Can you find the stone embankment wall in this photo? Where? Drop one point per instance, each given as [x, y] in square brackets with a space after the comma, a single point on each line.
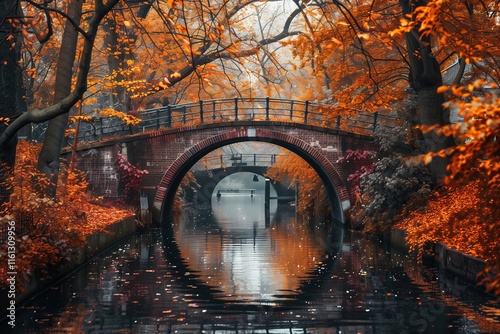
[463, 266]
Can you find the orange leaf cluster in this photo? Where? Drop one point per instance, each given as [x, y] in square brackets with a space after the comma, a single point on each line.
[127, 118]
[290, 168]
[360, 60]
[49, 231]
[461, 218]
[477, 154]
[475, 162]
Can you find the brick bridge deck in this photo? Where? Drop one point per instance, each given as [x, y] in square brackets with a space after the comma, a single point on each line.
[169, 148]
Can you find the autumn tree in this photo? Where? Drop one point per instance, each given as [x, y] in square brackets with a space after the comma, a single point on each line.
[48, 161]
[37, 115]
[193, 49]
[120, 36]
[443, 56]
[380, 55]
[50, 232]
[199, 43]
[8, 108]
[471, 221]
[190, 37]
[470, 195]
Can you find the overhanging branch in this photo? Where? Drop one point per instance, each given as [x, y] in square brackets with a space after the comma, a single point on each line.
[41, 115]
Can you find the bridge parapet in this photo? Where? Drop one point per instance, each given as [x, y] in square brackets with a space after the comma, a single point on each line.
[237, 110]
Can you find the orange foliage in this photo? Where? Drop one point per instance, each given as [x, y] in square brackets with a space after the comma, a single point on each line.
[359, 47]
[290, 168]
[475, 160]
[359, 61]
[434, 223]
[127, 118]
[188, 181]
[49, 231]
[478, 134]
[457, 217]
[468, 28]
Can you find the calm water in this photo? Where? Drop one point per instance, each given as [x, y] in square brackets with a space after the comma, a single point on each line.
[231, 270]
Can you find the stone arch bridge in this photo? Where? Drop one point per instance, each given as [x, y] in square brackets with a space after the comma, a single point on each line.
[170, 140]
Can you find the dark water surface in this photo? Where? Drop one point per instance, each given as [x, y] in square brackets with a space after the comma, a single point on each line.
[231, 270]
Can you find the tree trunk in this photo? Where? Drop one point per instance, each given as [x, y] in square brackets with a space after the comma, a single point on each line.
[49, 158]
[8, 106]
[425, 77]
[431, 113]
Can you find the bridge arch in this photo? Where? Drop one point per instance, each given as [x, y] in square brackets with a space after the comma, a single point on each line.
[171, 179]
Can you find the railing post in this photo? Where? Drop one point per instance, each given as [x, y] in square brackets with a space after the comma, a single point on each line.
[101, 129]
[201, 111]
[213, 110]
[236, 109]
[375, 117]
[184, 115]
[255, 159]
[267, 108]
[338, 122]
[157, 119]
[291, 109]
[169, 116]
[306, 111]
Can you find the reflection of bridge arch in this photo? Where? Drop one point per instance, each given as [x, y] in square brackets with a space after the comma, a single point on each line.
[165, 194]
[310, 283]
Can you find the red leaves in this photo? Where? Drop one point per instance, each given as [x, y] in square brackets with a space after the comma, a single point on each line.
[131, 177]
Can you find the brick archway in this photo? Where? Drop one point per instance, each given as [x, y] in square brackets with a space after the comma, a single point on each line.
[165, 194]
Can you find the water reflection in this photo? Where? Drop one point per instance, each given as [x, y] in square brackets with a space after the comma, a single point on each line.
[233, 248]
[242, 212]
[233, 277]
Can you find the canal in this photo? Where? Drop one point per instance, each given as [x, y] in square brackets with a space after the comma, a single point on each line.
[225, 268]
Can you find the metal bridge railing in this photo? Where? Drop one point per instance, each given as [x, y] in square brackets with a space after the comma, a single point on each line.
[235, 110]
[237, 159]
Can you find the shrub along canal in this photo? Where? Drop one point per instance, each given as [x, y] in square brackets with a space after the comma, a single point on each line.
[229, 270]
